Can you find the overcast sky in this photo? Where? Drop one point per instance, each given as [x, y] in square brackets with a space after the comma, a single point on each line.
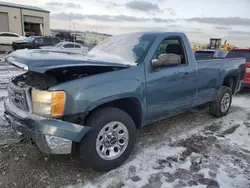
[200, 19]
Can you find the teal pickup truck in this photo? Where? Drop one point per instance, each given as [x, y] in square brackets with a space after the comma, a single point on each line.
[94, 104]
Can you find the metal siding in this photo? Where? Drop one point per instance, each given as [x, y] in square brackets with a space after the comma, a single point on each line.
[33, 19]
[19, 6]
[4, 22]
[22, 24]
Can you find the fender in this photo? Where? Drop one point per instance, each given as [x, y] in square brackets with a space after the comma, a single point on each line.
[97, 95]
[224, 75]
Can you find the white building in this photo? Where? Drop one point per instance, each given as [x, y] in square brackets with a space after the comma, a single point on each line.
[24, 20]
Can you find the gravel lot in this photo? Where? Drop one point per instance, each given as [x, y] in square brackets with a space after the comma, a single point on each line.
[190, 149]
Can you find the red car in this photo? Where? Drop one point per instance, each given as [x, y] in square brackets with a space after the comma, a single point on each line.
[242, 53]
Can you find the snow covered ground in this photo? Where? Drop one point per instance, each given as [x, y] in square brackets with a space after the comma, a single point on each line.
[192, 149]
[215, 154]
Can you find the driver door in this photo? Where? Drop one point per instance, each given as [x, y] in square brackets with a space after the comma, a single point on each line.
[170, 90]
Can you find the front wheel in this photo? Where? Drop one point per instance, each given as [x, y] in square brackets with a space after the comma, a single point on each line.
[222, 104]
[110, 141]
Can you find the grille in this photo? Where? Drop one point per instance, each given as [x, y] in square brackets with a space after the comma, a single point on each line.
[18, 97]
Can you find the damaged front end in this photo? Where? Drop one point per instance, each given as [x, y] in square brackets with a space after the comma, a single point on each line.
[51, 135]
[37, 112]
[37, 116]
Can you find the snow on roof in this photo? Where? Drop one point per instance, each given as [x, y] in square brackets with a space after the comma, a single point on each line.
[13, 5]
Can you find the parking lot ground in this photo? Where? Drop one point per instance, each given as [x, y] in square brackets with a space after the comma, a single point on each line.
[190, 149]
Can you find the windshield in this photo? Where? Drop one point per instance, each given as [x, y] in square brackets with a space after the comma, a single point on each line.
[204, 54]
[58, 45]
[233, 54]
[29, 39]
[125, 49]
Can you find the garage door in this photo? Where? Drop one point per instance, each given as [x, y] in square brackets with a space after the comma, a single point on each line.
[4, 22]
[33, 19]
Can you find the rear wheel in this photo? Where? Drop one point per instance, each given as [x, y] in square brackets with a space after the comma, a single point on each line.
[222, 104]
[110, 141]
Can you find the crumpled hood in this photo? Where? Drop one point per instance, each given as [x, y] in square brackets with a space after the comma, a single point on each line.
[42, 60]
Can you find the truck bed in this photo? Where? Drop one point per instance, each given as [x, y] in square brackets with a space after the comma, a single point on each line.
[219, 59]
[211, 69]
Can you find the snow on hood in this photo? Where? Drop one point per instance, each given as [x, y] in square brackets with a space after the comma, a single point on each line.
[102, 56]
[40, 60]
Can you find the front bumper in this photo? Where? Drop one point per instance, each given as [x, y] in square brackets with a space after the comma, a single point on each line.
[50, 135]
[15, 46]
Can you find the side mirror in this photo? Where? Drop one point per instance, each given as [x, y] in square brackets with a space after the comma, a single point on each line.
[166, 60]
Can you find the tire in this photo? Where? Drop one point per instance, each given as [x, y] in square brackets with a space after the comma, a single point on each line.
[88, 150]
[216, 107]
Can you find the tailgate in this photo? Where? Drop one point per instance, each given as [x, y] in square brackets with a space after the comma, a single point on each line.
[247, 75]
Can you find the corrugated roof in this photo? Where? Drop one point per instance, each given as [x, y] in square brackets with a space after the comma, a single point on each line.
[13, 5]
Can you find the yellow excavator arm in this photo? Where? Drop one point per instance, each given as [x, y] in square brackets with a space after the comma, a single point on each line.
[215, 43]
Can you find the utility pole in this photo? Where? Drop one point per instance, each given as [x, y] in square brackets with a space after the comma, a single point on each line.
[70, 23]
[74, 33]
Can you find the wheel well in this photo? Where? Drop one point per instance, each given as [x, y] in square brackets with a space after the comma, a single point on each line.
[130, 105]
[230, 82]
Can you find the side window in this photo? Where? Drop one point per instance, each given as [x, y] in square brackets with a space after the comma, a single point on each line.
[171, 45]
[13, 35]
[54, 40]
[8, 35]
[4, 34]
[39, 41]
[77, 46]
[47, 41]
[69, 46]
